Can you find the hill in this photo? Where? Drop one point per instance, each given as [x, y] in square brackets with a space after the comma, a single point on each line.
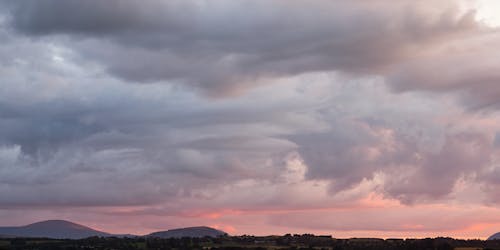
[188, 232]
[495, 237]
[56, 229]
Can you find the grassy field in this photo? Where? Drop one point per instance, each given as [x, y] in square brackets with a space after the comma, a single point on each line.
[247, 242]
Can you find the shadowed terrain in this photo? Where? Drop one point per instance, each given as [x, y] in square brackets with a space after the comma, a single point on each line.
[188, 232]
[495, 236]
[57, 229]
[61, 229]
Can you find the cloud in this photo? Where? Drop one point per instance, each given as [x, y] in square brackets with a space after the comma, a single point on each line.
[464, 67]
[412, 172]
[326, 105]
[226, 47]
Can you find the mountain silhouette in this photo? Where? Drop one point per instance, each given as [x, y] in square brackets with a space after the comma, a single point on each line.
[61, 229]
[56, 229]
[495, 237]
[188, 232]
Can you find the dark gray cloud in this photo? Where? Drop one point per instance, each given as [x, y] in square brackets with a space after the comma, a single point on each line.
[347, 157]
[225, 47]
[70, 137]
[435, 174]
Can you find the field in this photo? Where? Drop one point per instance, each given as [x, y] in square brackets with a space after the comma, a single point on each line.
[295, 242]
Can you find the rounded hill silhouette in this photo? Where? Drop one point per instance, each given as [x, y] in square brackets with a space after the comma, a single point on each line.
[57, 229]
[495, 236]
[188, 232]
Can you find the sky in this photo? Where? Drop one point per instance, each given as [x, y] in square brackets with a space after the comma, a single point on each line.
[349, 118]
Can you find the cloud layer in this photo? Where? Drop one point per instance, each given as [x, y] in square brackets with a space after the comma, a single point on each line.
[225, 47]
[236, 113]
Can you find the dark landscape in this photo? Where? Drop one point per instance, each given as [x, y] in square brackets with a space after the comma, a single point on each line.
[304, 241]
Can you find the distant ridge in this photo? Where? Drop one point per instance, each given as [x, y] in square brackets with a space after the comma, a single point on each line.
[195, 232]
[61, 229]
[56, 229]
[495, 237]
